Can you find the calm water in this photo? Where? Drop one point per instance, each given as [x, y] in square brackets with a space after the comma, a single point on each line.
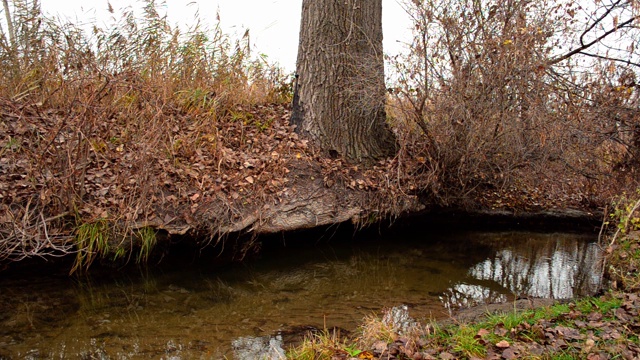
[197, 311]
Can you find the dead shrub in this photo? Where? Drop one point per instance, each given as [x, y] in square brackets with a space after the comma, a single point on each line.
[494, 104]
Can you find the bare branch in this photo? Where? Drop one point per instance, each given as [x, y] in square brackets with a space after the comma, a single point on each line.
[597, 21]
[590, 44]
[628, 62]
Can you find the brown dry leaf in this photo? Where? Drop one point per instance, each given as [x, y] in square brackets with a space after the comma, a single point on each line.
[622, 315]
[510, 353]
[588, 345]
[611, 334]
[594, 316]
[380, 346]
[594, 357]
[538, 331]
[580, 324]
[500, 330]
[250, 179]
[446, 356]
[595, 324]
[569, 333]
[535, 349]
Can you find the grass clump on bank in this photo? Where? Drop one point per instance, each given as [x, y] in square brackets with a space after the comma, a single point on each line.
[101, 239]
[584, 328]
[92, 241]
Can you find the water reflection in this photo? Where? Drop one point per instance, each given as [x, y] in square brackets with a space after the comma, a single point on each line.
[467, 295]
[211, 312]
[554, 266]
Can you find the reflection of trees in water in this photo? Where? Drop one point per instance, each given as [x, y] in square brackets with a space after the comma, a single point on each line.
[467, 295]
[559, 269]
[544, 266]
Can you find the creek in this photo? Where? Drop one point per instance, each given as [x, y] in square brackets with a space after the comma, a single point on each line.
[191, 310]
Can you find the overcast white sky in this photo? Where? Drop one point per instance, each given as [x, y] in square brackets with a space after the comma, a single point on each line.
[274, 24]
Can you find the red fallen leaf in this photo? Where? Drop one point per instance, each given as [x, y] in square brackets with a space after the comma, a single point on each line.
[503, 344]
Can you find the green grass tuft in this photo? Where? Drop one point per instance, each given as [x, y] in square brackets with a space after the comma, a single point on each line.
[92, 241]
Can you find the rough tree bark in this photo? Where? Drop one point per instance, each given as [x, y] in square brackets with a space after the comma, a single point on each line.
[339, 98]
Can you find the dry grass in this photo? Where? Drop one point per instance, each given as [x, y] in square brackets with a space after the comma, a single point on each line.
[97, 127]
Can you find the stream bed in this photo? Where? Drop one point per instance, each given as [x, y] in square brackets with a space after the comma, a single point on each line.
[200, 311]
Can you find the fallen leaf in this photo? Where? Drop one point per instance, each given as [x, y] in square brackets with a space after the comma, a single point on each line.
[446, 356]
[500, 330]
[380, 346]
[588, 345]
[569, 333]
[509, 354]
[622, 315]
[594, 316]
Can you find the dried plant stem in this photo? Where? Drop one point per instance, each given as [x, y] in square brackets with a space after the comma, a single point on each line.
[10, 28]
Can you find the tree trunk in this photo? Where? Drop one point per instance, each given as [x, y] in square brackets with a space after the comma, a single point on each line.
[340, 93]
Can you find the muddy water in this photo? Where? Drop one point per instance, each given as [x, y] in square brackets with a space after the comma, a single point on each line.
[198, 311]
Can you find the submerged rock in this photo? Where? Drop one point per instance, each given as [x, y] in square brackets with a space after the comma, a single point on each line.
[258, 348]
[398, 317]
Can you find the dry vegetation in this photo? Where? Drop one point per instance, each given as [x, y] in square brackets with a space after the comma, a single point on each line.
[501, 108]
[109, 137]
[137, 118]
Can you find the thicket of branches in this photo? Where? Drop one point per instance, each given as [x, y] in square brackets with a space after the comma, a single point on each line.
[499, 92]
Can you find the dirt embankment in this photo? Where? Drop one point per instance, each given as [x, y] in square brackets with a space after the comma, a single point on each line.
[66, 177]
